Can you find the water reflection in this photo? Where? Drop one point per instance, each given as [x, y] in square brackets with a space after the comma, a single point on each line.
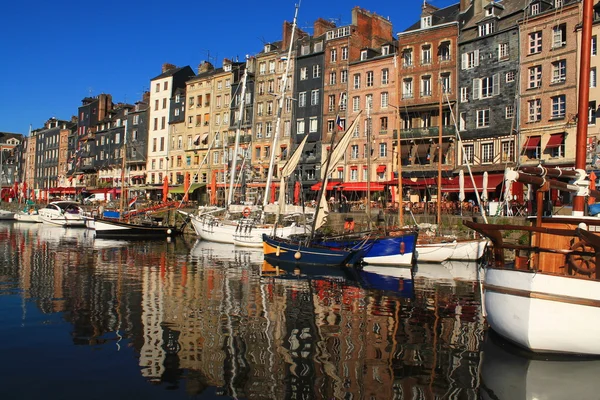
[206, 319]
[510, 373]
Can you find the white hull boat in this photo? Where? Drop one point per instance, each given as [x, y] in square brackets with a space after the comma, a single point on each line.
[62, 213]
[32, 217]
[543, 312]
[464, 250]
[7, 215]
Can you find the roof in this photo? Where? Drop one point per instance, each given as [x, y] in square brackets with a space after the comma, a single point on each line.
[439, 17]
[506, 17]
[170, 72]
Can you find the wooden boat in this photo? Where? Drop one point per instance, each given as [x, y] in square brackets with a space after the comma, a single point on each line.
[548, 298]
[442, 249]
[278, 250]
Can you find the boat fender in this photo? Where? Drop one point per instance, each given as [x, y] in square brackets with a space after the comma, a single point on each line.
[277, 251]
[169, 232]
[402, 248]
[247, 212]
[298, 255]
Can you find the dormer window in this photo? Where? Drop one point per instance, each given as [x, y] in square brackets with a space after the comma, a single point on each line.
[385, 50]
[425, 21]
[227, 67]
[267, 48]
[534, 9]
[363, 55]
[489, 12]
[486, 28]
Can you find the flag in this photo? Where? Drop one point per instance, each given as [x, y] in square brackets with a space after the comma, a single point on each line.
[132, 202]
[339, 123]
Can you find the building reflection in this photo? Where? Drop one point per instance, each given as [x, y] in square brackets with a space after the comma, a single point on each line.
[212, 317]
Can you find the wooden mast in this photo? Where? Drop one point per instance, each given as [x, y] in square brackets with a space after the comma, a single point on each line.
[123, 165]
[401, 198]
[584, 97]
[439, 175]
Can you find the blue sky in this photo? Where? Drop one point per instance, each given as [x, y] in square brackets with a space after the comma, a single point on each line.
[55, 53]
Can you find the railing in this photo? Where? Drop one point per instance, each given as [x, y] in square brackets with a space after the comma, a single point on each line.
[425, 132]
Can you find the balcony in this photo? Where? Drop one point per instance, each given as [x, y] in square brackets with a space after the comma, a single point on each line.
[419, 133]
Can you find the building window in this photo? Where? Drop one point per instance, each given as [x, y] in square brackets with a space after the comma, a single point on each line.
[354, 151]
[385, 76]
[558, 106]
[425, 21]
[486, 87]
[503, 51]
[535, 77]
[344, 76]
[510, 76]
[303, 73]
[470, 60]
[331, 102]
[300, 127]
[444, 51]
[594, 45]
[384, 99]
[345, 53]
[316, 71]
[446, 87]
[487, 153]
[383, 122]
[332, 78]
[369, 78]
[313, 124]
[509, 112]
[356, 81]
[535, 9]
[268, 129]
[535, 42]
[302, 99]
[559, 71]
[508, 149]
[382, 149]
[468, 153]
[425, 86]
[426, 54]
[483, 118]
[593, 77]
[407, 58]
[559, 36]
[333, 56]
[462, 121]
[592, 113]
[314, 97]
[534, 110]
[486, 28]
[407, 88]
[356, 103]
[464, 94]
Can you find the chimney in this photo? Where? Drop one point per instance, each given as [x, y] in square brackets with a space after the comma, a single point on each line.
[167, 67]
[321, 26]
[464, 5]
[287, 33]
[205, 66]
[479, 4]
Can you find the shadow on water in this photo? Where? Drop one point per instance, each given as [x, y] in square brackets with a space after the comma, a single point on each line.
[190, 318]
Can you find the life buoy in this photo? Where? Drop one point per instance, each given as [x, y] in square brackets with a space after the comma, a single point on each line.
[246, 212]
[582, 263]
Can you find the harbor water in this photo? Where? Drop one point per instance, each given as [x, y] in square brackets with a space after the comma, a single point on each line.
[82, 317]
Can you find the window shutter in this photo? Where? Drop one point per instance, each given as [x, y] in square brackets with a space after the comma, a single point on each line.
[476, 63]
[476, 88]
[464, 60]
[496, 84]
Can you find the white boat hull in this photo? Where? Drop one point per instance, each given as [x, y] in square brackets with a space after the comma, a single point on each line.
[7, 215]
[466, 250]
[26, 217]
[542, 312]
[398, 260]
[254, 237]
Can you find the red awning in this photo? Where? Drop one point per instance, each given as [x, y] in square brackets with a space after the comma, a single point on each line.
[556, 140]
[362, 187]
[330, 186]
[532, 142]
[353, 167]
[452, 185]
[421, 182]
[381, 168]
[63, 190]
[340, 168]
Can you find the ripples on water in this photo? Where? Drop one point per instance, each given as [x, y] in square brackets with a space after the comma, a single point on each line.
[89, 318]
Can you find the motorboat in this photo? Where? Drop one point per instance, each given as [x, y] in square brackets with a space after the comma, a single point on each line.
[64, 213]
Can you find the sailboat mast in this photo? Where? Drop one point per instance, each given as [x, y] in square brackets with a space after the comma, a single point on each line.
[237, 137]
[584, 98]
[279, 109]
[368, 166]
[123, 163]
[439, 176]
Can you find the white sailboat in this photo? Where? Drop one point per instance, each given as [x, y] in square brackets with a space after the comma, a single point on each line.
[247, 231]
[548, 299]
